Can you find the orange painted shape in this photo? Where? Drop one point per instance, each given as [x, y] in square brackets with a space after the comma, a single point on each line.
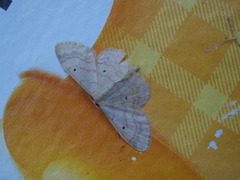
[50, 122]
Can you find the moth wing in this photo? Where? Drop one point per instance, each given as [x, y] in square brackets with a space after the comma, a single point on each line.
[80, 62]
[110, 69]
[121, 106]
[132, 90]
[131, 123]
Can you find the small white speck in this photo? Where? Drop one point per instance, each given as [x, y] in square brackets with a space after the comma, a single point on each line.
[231, 104]
[134, 158]
[213, 145]
[218, 133]
[234, 112]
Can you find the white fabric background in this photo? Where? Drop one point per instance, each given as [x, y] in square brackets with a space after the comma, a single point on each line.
[29, 31]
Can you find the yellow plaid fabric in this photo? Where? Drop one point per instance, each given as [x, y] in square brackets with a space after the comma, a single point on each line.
[190, 88]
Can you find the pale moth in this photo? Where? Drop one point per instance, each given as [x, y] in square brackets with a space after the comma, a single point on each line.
[115, 87]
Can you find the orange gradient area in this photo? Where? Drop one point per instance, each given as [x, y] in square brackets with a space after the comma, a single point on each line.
[53, 130]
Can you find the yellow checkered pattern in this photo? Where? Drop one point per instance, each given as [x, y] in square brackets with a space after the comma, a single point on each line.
[167, 38]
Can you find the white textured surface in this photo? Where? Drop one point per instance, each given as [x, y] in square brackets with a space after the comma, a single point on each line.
[29, 31]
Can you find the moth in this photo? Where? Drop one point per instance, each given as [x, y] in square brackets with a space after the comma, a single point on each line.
[114, 85]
